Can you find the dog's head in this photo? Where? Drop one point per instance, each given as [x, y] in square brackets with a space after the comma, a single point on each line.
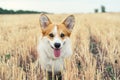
[57, 35]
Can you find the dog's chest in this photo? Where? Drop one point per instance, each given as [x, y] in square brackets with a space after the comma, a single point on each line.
[56, 65]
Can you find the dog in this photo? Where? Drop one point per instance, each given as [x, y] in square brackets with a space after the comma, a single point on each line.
[55, 44]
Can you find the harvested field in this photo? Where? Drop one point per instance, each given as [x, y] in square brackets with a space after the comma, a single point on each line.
[95, 39]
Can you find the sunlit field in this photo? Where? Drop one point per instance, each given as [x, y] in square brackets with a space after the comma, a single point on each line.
[95, 42]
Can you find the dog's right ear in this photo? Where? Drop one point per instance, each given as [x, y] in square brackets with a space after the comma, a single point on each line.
[44, 21]
[69, 22]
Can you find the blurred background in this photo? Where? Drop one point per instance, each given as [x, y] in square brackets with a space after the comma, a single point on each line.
[58, 6]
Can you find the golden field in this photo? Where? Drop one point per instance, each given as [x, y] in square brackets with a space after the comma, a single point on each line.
[95, 41]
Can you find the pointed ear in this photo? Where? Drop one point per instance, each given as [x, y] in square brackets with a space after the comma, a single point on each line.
[44, 21]
[69, 22]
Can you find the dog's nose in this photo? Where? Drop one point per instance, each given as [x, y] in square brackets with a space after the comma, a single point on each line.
[57, 45]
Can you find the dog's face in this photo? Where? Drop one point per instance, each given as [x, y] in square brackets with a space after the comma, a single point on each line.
[56, 35]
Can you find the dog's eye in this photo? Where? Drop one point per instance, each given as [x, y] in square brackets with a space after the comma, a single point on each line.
[51, 35]
[62, 35]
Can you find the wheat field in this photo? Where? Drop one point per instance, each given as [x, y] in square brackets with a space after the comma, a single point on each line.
[95, 42]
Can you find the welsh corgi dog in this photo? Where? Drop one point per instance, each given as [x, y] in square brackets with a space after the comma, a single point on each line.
[55, 44]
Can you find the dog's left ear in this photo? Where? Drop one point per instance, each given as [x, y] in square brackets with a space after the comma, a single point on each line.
[44, 21]
[69, 22]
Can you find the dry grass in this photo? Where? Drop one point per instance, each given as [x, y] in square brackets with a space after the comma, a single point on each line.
[96, 47]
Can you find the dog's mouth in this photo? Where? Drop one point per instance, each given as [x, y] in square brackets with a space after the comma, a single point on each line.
[56, 52]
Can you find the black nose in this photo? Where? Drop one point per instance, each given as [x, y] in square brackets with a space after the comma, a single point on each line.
[57, 45]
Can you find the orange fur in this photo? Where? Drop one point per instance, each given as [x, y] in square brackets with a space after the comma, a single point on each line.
[61, 29]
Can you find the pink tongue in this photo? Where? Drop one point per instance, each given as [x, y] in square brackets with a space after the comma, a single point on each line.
[57, 52]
